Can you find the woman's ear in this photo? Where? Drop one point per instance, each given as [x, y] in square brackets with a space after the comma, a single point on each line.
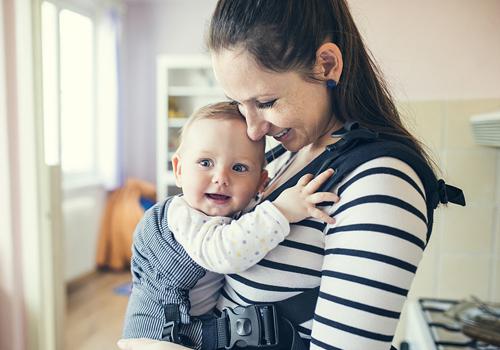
[176, 165]
[329, 62]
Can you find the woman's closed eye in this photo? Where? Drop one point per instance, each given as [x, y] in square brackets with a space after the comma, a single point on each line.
[240, 168]
[205, 163]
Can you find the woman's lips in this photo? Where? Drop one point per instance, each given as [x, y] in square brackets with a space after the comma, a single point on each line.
[282, 135]
[218, 198]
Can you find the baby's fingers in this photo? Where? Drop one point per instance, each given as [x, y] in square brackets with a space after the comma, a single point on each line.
[305, 179]
[315, 183]
[319, 197]
[321, 215]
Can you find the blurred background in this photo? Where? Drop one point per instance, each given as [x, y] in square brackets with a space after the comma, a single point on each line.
[93, 93]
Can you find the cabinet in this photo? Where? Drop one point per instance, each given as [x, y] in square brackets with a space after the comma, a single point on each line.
[184, 83]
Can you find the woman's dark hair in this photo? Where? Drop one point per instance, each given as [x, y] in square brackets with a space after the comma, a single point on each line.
[284, 35]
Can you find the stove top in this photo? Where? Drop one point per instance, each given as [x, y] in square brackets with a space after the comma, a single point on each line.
[447, 333]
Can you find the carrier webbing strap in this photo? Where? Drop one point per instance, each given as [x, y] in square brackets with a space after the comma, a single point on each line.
[299, 308]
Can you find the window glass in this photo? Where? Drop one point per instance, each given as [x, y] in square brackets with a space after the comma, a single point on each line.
[76, 35]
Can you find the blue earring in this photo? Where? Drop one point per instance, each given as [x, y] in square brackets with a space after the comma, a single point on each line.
[330, 83]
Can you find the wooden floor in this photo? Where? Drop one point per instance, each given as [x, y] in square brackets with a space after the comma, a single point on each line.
[95, 313]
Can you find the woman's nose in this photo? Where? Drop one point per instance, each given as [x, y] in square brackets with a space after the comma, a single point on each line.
[220, 177]
[257, 127]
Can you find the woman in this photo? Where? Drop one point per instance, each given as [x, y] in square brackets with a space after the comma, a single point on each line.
[298, 71]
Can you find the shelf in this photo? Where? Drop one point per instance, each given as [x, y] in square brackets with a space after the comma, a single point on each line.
[185, 83]
[188, 91]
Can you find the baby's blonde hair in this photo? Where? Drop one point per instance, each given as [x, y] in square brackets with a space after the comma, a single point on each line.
[216, 111]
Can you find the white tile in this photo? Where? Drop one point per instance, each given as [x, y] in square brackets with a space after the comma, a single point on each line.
[474, 171]
[463, 275]
[458, 132]
[467, 229]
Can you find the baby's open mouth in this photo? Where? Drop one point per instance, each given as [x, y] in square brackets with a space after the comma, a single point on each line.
[220, 198]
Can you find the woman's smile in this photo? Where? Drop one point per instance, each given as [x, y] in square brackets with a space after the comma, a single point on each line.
[282, 135]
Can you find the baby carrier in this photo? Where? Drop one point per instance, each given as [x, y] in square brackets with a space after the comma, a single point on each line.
[272, 326]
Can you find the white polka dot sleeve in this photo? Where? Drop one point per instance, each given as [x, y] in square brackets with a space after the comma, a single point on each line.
[226, 245]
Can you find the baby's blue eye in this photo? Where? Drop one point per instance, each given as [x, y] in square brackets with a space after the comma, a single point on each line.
[240, 168]
[205, 163]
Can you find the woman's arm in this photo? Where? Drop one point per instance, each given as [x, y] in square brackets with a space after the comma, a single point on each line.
[371, 256]
[230, 246]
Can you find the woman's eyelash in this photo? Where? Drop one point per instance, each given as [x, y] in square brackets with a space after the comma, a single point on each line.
[263, 105]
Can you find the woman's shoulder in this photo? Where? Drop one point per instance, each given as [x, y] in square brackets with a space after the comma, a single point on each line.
[383, 177]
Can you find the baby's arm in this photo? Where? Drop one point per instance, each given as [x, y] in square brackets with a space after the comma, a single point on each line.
[230, 246]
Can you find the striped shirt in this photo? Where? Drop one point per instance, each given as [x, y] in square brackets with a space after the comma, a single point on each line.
[364, 263]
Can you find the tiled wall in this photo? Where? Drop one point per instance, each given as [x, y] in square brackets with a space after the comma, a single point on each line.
[463, 256]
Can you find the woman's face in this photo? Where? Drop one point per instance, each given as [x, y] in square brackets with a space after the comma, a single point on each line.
[294, 111]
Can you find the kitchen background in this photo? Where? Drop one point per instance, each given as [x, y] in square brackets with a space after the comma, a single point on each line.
[442, 60]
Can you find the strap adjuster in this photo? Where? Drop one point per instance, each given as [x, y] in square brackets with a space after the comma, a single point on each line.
[254, 325]
[171, 332]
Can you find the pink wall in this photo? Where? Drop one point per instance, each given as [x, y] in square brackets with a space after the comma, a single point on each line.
[12, 308]
[434, 50]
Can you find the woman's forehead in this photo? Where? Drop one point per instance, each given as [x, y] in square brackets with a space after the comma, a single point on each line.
[244, 80]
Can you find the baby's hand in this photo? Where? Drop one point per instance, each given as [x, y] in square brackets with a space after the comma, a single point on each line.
[299, 202]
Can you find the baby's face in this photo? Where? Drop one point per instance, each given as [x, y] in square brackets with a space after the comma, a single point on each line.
[219, 168]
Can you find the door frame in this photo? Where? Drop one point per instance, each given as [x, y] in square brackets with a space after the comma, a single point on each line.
[36, 263]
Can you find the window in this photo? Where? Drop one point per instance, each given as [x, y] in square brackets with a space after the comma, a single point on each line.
[80, 92]
[78, 131]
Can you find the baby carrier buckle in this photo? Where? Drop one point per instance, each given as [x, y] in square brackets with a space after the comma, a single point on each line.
[253, 325]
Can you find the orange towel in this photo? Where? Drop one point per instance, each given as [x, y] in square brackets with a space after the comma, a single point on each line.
[121, 215]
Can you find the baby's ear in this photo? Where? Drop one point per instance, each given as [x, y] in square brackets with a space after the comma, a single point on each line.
[264, 179]
[176, 166]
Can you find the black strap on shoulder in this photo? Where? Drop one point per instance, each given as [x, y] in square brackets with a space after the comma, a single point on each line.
[451, 194]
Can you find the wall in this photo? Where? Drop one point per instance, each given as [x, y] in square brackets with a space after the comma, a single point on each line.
[151, 28]
[82, 209]
[12, 322]
[434, 50]
[464, 252]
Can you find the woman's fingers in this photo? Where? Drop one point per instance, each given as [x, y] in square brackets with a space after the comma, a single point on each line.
[315, 183]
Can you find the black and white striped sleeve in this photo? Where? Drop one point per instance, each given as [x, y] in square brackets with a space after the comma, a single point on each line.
[371, 256]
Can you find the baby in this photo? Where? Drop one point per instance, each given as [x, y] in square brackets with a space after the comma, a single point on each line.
[179, 241]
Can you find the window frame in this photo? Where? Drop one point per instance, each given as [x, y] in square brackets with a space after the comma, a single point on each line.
[72, 180]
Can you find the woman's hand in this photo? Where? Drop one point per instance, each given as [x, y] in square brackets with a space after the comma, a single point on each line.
[299, 202]
[147, 344]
